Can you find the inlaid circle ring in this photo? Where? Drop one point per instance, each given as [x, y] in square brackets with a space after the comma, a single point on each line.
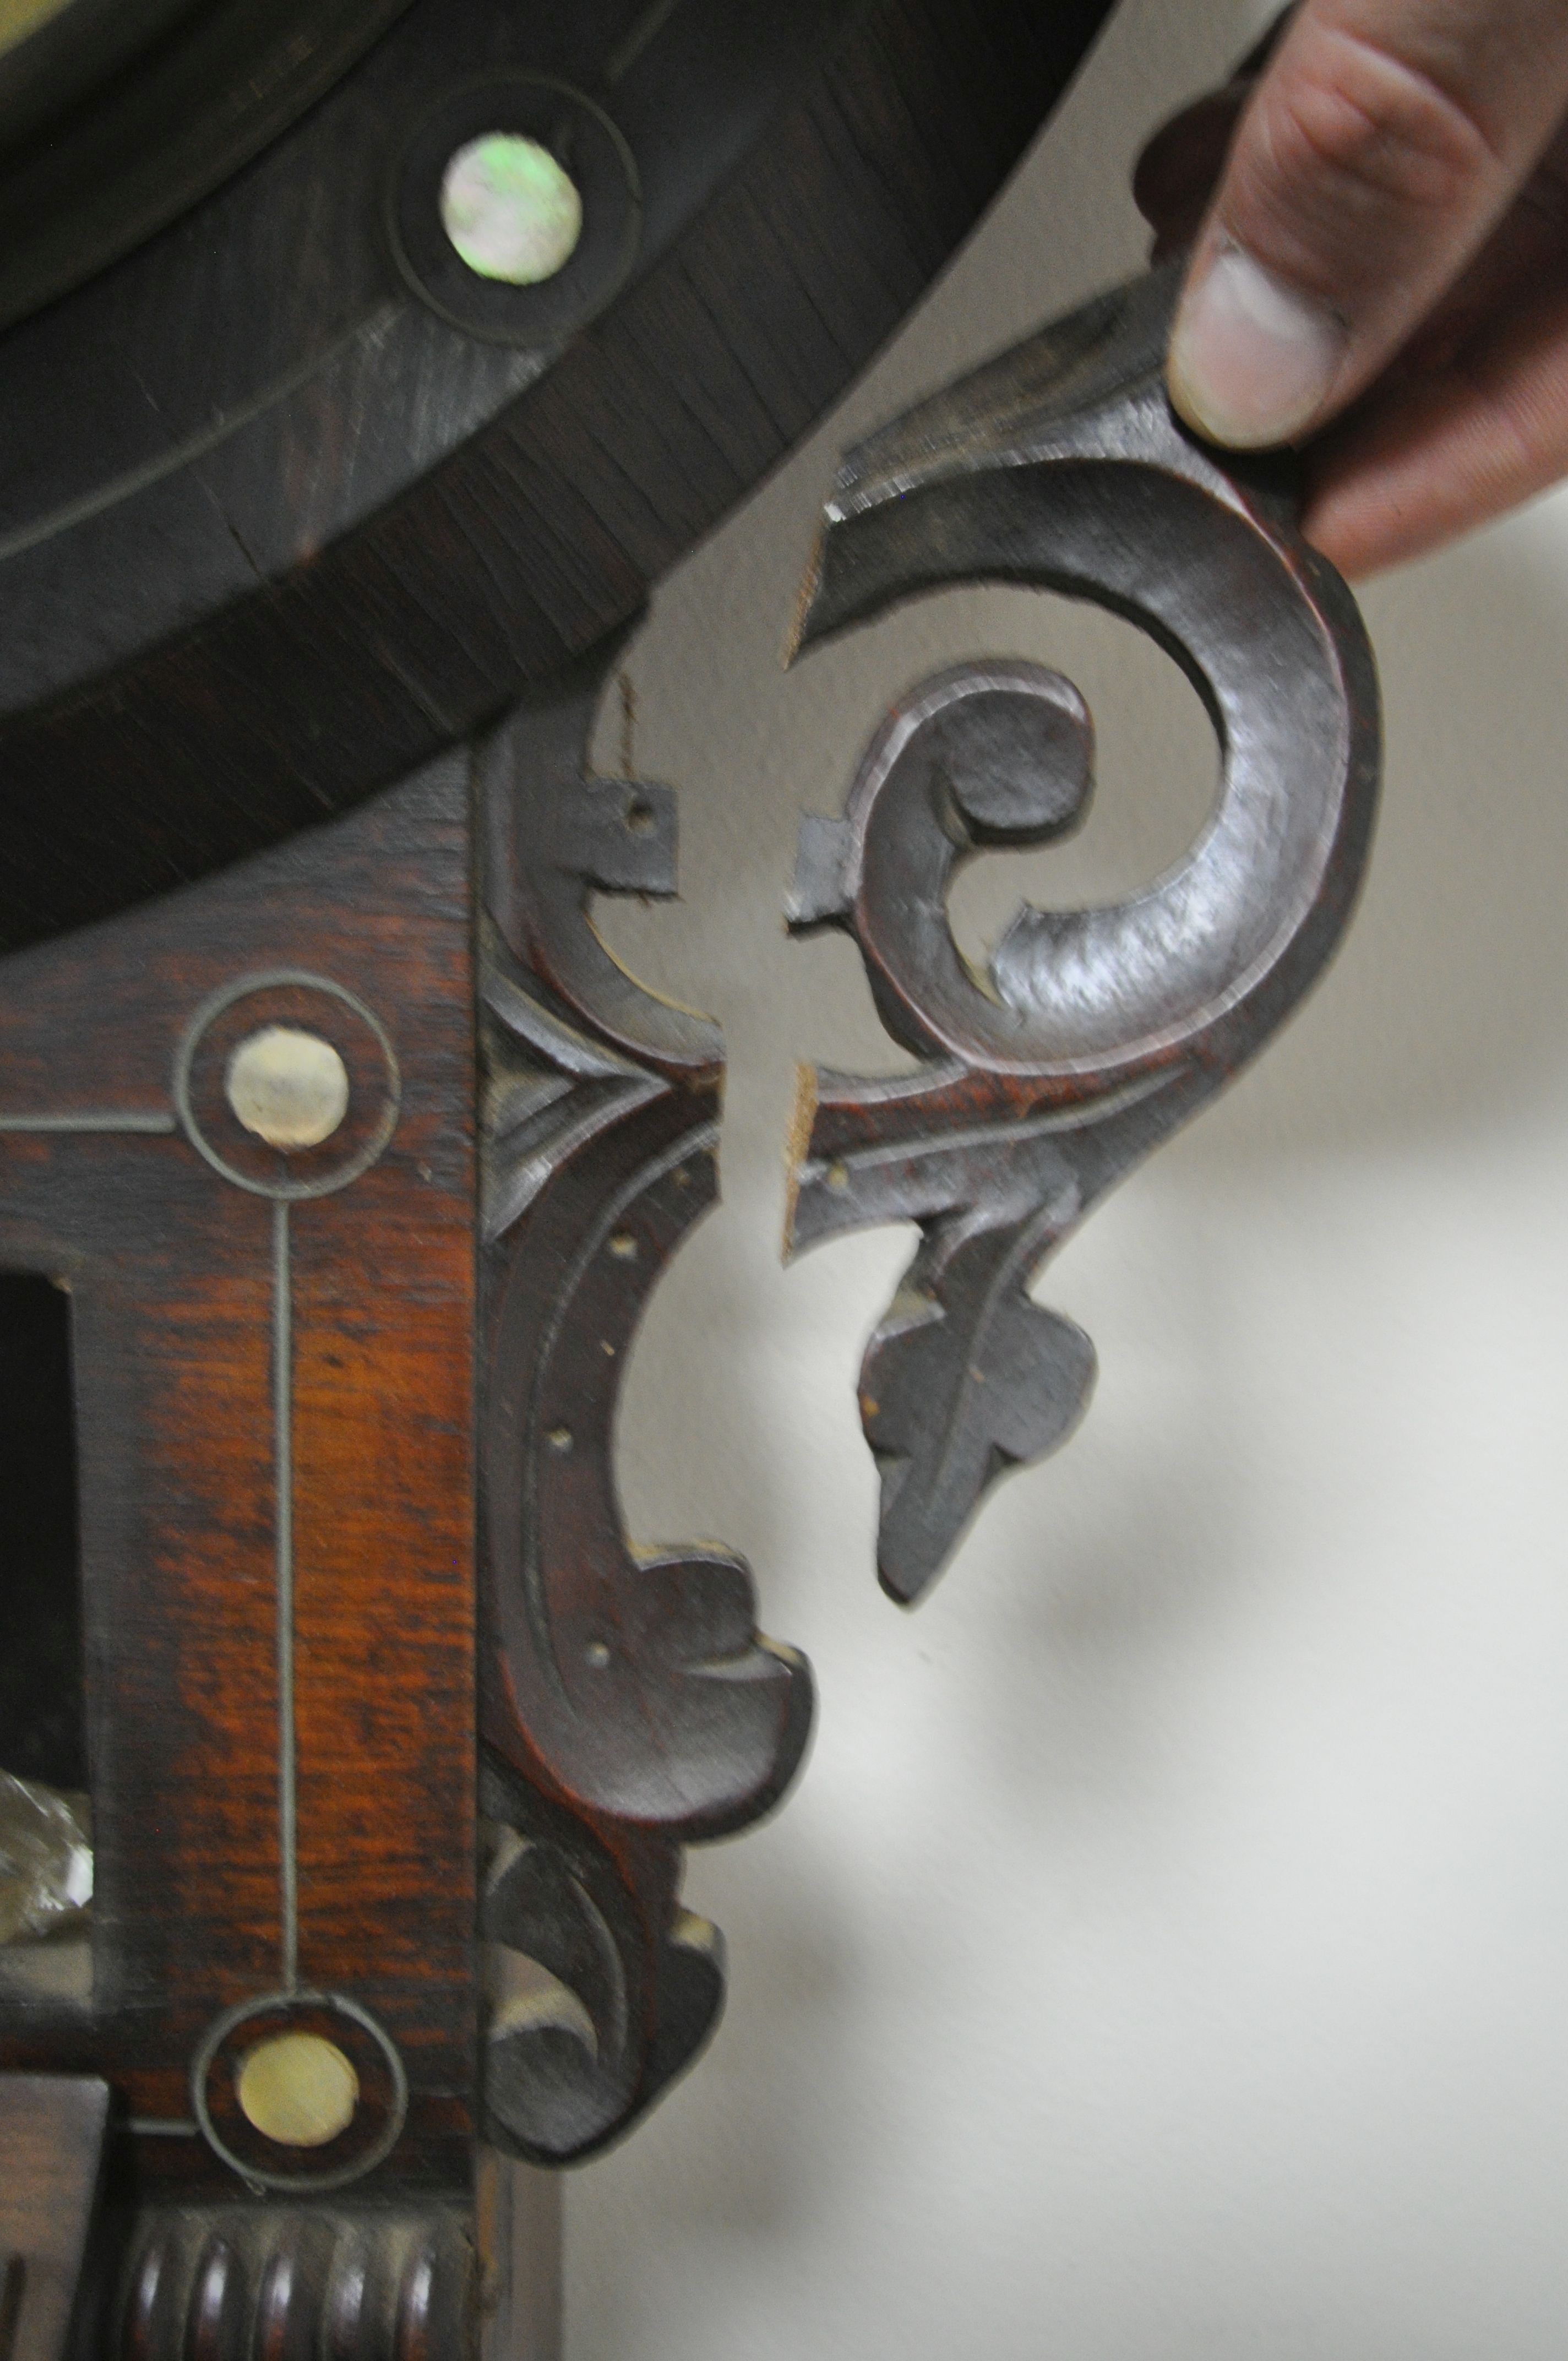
[381, 2073]
[295, 997]
[592, 152]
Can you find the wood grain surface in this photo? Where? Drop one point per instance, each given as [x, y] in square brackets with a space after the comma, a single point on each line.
[170, 1270]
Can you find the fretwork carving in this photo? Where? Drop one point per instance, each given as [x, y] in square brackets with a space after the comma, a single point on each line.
[630, 1705]
[1097, 1031]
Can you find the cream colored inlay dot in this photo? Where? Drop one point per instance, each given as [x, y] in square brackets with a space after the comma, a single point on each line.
[289, 1088]
[297, 2088]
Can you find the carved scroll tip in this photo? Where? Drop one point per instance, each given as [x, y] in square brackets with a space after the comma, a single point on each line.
[797, 1148]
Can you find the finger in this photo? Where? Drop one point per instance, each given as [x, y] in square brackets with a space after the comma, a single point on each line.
[1433, 454]
[1383, 143]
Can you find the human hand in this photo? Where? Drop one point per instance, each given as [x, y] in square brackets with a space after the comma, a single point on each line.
[1379, 203]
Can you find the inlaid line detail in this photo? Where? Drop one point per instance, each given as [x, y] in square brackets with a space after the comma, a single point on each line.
[151, 1121]
[283, 1561]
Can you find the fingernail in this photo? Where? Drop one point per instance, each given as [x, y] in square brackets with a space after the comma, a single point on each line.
[1251, 360]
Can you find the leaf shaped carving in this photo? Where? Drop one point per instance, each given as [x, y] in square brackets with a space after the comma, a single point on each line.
[943, 1423]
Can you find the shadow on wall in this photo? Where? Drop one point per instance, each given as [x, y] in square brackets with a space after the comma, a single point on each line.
[1042, 1709]
[1448, 1008]
[1449, 1003]
[1446, 1013]
[1055, 1634]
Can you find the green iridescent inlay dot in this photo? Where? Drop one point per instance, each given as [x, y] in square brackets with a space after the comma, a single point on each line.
[509, 209]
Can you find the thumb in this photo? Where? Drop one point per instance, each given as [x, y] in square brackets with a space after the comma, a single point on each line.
[1381, 145]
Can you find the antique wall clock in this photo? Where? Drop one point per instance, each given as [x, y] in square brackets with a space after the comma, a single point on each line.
[363, 367]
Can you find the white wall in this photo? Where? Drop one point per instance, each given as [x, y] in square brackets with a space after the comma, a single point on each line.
[1164, 1952]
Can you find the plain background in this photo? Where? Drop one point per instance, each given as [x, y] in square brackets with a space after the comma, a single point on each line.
[1163, 1956]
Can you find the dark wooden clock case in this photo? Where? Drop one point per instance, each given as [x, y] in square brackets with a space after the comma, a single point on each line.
[315, 553]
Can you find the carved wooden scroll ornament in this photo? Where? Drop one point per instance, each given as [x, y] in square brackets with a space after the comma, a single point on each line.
[629, 1704]
[1097, 1031]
